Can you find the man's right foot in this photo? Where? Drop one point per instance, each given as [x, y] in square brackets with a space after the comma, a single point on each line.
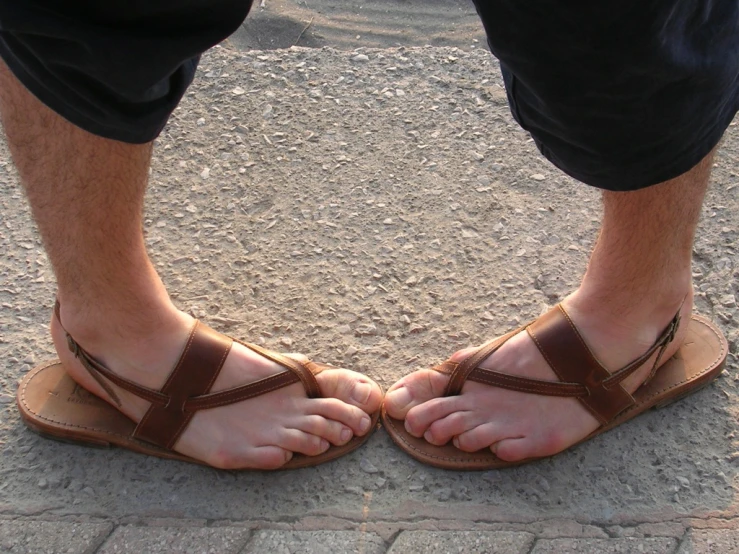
[260, 433]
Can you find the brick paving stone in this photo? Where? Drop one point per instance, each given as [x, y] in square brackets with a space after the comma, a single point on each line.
[710, 541]
[469, 542]
[28, 536]
[176, 540]
[657, 545]
[315, 542]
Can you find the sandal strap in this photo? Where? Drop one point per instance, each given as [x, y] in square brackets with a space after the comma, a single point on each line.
[460, 372]
[100, 373]
[197, 369]
[581, 375]
[187, 388]
[565, 351]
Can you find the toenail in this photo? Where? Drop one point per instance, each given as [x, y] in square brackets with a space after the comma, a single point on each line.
[324, 445]
[346, 434]
[361, 392]
[400, 397]
[455, 442]
[494, 448]
[364, 424]
[428, 436]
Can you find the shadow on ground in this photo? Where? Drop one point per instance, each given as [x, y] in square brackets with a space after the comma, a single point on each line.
[350, 24]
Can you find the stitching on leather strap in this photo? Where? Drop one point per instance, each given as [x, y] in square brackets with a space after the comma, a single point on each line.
[223, 398]
[523, 384]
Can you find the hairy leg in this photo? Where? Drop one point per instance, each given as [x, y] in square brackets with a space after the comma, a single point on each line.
[86, 194]
[637, 278]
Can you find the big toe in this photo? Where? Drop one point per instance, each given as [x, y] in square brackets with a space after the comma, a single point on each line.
[413, 390]
[352, 388]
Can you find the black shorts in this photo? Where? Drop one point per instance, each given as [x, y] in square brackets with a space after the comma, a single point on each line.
[620, 94]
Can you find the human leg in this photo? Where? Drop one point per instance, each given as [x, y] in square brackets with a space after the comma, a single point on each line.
[86, 194]
[638, 277]
[631, 98]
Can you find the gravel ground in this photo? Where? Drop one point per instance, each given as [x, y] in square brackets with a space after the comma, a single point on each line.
[376, 209]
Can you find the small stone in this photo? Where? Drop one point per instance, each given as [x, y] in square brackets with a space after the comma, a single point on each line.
[205, 173]
[238, 91]
[201, 122]
[388, 221]
[268, 111]
[351, 351]
[488, 316]
[538, 177]
[191, 208]
[75, 485]
[6, 399]
[367, 329]
[42, 483]
[361, 58]
[367, 466]
[683, 482]
[443, 494]
[728, 300]
[29, 360]
[415, 488]
[286, 341]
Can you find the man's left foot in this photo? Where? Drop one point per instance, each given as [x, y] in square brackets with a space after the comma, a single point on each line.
[518, 425]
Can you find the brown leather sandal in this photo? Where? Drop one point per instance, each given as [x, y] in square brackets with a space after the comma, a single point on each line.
[699, 360]
[54, 405]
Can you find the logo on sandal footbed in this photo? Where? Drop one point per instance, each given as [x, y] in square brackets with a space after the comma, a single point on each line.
[81, 396]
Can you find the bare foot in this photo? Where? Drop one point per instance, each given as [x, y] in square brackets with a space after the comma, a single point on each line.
[260, 433]
[516, 425]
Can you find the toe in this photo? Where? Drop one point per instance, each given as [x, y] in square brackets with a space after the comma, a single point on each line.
[478, 438]
[514, 450]
[248, 457]
[419, 418]
[352, 388]
[413, 390]
[301, 442]
[443, 430]
[460, 355]
[334, 409]
[333, 431]
[535, 445]
[270, 457]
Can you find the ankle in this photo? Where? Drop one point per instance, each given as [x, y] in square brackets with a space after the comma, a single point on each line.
[646, 314]
[629, 298]
[94, 322]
